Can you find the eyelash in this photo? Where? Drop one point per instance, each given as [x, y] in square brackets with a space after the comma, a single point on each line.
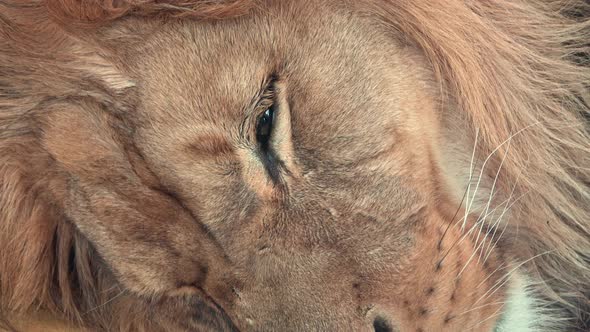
[265, 120]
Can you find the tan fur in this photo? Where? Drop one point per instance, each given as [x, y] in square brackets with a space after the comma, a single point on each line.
[43, 322]
[134, 196]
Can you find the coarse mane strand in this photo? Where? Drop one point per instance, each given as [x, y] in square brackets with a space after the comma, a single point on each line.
[517, 69]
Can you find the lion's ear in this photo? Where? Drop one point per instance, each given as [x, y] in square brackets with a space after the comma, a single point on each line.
[44, 262]
[142, 232]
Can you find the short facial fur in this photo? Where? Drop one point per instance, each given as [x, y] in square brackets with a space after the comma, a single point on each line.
[409, 184]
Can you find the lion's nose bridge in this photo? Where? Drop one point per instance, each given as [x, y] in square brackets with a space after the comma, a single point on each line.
[311, 271]
[315, 291]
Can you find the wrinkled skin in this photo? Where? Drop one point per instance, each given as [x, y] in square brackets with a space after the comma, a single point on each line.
[337, 225]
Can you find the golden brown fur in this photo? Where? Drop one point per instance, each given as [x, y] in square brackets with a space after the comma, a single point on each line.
[132, 196]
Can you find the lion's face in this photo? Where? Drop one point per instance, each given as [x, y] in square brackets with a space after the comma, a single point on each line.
[295, 166]
[293, 178]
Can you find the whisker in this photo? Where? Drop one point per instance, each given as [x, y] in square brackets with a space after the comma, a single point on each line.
[492, 194]
[493, 315]
[107, 302]
[477, 247]
[439, 246]
[502, 281]
[499, 268]
[471, 166]
[499, 219]
[462, 238]
[490, 156]
[468, 202]
[481, 306]
[110, 288]
[489, 251]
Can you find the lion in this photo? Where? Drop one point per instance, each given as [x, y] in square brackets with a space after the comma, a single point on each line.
[266, 165]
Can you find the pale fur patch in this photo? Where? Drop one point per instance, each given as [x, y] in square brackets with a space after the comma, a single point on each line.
[97, 66]
[522, 310]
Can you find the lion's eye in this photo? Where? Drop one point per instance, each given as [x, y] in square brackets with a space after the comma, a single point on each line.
[264, 127]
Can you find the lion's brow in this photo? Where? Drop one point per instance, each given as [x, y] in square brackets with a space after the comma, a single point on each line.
[210, 145]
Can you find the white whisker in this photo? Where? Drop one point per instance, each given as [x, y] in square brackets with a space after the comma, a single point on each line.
[492, 194]
[479, 221]
[493, 315]
[471, 166]
[499, 219]
[499, 268]
[488, 159]
[107, 302]
[479, 307]
[491, 246]
[502, 281]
